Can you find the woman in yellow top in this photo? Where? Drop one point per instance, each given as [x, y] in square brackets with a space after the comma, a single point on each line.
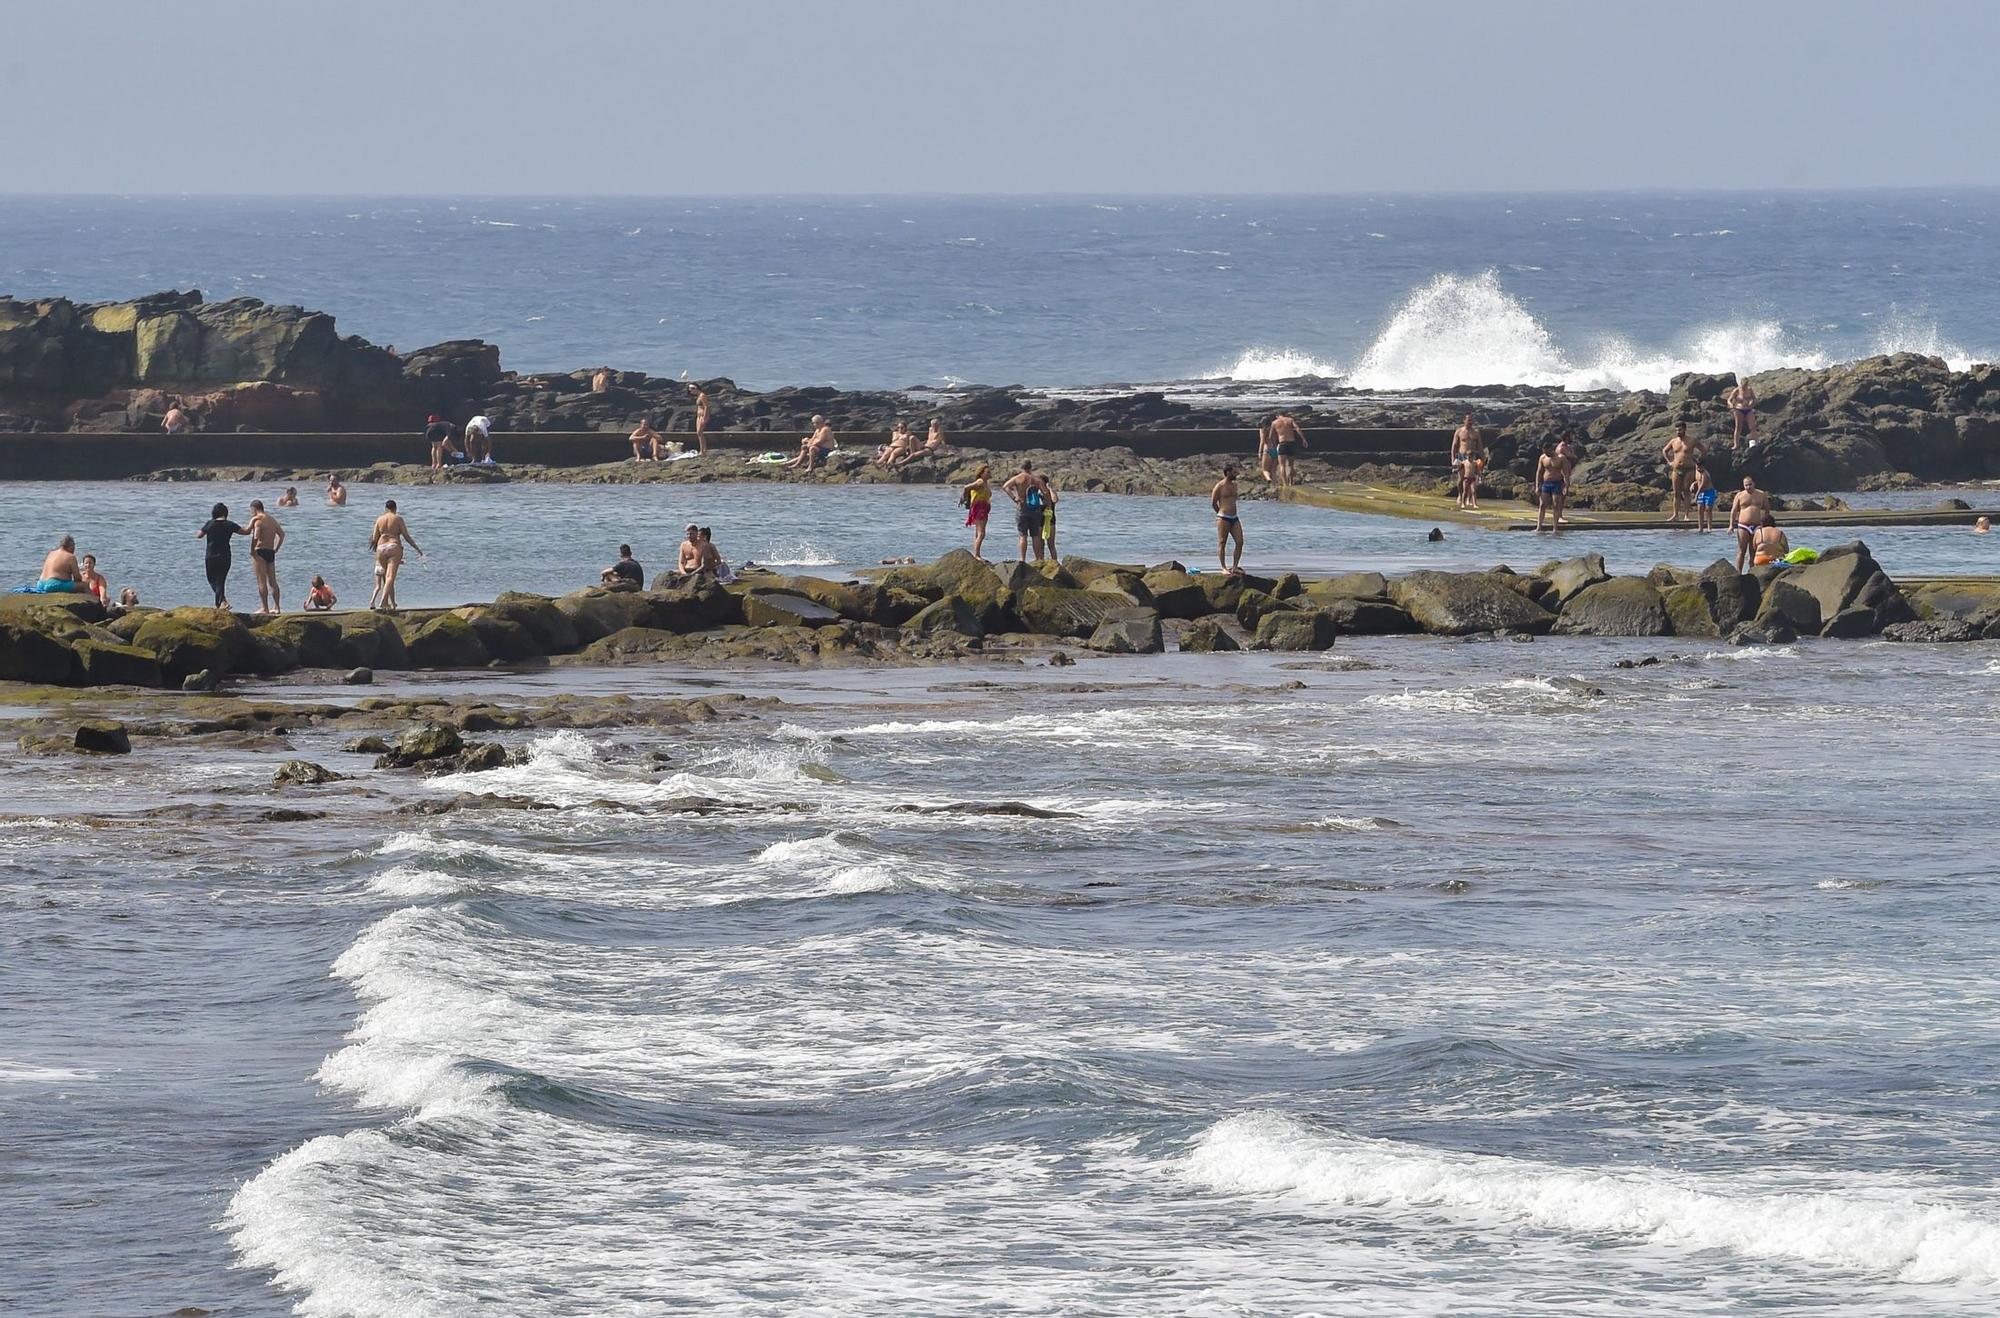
[977, 500]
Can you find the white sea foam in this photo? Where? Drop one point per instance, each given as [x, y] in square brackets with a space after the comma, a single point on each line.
[1890, 1234]
[1256, 364]
[798, 553]
[1469, 330]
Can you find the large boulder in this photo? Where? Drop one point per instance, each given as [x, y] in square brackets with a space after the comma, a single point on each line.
[316, 640]
[186, 641]
[1296, 629]
[597, 612]
[444, 640]
[1464, 603]
[103, 737]
[1353, 585]
[1360, 616]
[371, 640]
[501, 637]
[1846, 579]
[550, 627]
[950, 614]
[1574, 575]
[1176, 594]
[1207, 636]
[28, 654]
[775, 608]
[1620, 606]
[1128, 631]
[1059, 611]
[1784, 603]
[106, 663]
[1688, 611]
[1732, 597]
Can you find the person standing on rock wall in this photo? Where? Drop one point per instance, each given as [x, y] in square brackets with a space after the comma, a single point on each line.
[1291, 444]
[1749, 510]
[386, 540]
[1468, 459]
[267, 537]
[1031, 499]
[1228, 524]
[977, 500]
[1681, 455]
[218, 531]
[1567, 453]
[1742, 402]
[701, 413]
[1548, 488]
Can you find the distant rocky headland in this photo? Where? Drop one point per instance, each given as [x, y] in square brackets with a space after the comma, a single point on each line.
[243, 365]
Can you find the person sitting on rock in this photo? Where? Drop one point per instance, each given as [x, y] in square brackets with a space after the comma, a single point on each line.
[645, 441]
[816, 447]
[626, 569]
[1768, 544]
[688, 564]
[92, 580]
[711, 558]
[600, 380]
[320, 597]
[935, 442]
[176, 420]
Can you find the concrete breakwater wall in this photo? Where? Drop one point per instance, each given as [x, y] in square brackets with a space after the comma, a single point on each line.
[43, 456]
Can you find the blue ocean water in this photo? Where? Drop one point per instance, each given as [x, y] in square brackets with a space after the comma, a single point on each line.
[1390, 292]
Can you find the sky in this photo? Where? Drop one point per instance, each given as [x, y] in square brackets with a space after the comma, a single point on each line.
[726, 97]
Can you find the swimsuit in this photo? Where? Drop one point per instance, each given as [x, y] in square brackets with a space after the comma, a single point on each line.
[50, 586]
[1288, 448]
[979, 507]
[1226, 518]
[268, 555]
[1706, 498]
[1552, 487]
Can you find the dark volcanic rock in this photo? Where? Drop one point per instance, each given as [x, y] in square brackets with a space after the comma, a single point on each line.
[1621, 606]
[1460, 604]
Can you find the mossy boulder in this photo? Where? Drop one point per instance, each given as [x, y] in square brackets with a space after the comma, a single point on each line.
[188, 640]
[1621, 606]
[1253, 605]
[1061, 611]
[1352, 585]
[950, 614]
[103, 737]
[29, 655]
[445, 640]
[1367, 616]
[551, 628]
[315, 640]
[1688, 611]
[1176, 594]
[372, 640]
[107, 663]
[777, 608]
[597, 612]
[502, 638]
[1785, 603]
[1465, 603]
[1296, 629]
[1207, 636]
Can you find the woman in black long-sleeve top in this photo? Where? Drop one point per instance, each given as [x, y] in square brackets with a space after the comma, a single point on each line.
[217, 531]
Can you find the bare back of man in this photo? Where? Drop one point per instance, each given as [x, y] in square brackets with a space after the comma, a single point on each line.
[1290, 443]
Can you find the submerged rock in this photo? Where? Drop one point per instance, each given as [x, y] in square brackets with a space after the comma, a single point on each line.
[103, 737]
[304, 773]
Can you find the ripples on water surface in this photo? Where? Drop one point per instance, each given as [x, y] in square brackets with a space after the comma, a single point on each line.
[1453, 984]
[554, 538]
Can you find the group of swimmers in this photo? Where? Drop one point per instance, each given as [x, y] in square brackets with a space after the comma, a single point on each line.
[266, 534]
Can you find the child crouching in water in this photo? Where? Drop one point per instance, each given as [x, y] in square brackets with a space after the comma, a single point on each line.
[321, 597]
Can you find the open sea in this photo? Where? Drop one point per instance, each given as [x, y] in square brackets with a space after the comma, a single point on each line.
[1422, 977]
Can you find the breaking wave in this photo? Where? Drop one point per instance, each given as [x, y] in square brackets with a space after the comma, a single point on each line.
[1469, 330]
[1896, 1235]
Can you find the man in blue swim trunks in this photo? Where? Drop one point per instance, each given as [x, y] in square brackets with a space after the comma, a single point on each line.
[59, 570]
[1549, 485]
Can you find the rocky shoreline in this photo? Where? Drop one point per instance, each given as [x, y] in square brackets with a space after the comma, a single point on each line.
[243, 365]
[960, 608]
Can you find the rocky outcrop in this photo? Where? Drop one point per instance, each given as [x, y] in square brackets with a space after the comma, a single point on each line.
[958, 606]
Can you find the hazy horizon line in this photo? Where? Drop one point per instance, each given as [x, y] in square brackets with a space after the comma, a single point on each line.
[1135, 195]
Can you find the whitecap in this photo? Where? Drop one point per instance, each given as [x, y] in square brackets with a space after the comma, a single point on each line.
[1893, 1234]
